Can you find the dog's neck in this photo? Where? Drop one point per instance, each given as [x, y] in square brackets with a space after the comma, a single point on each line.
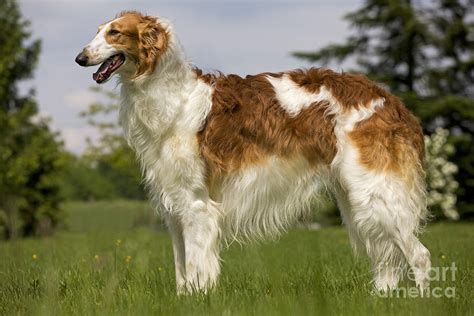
[171, 100]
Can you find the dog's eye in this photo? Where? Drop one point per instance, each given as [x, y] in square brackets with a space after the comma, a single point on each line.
[113, 32]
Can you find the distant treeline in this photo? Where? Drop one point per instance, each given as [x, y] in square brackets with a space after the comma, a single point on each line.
[100, 180]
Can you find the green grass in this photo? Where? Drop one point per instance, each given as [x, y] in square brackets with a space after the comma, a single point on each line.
[82, 270]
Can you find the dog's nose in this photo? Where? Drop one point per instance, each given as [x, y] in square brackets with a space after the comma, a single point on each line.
[82, 59]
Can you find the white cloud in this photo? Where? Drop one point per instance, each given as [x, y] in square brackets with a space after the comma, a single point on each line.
[80, 99]
[75, 138]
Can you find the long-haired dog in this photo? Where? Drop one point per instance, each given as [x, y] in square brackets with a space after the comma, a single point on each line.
[226, 157]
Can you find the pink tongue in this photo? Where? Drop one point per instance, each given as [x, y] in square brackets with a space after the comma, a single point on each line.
[95, 75]
[102, 69]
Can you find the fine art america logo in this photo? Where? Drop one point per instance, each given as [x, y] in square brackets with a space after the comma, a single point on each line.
[435, 274]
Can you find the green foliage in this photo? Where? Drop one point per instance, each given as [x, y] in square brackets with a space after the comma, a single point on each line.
[114, 268]
[425, 54]
[440, 175]
[17, 61]
[30, 154]
[387, 43]
[452, 69]
[108, 168]
[83, 182]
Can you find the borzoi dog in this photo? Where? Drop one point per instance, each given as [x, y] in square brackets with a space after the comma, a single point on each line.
[226, 157]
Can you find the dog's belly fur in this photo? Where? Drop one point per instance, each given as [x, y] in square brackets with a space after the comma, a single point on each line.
[264, 199]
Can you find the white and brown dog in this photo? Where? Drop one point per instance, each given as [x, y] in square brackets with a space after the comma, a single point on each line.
[226, 157]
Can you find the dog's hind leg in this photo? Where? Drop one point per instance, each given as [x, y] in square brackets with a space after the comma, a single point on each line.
[345, 210]
[201, 234]
[365, 233]
[378, 167]
[384, 217]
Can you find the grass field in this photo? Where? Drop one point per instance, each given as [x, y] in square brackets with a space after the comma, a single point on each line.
[110, 262]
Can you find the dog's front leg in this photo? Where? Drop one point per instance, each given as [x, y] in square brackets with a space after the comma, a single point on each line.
[201, 234]
[175, 228]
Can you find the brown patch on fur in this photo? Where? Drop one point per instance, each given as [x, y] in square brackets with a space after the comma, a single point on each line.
[246, 125]
[350, 90]
[391, 139]
[141, 37]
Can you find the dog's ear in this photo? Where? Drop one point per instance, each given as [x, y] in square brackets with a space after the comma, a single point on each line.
[153, 40]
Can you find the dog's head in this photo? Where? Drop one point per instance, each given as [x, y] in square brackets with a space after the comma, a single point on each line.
[130, 45]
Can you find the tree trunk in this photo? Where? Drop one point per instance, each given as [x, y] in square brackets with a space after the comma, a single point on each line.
[10, 211]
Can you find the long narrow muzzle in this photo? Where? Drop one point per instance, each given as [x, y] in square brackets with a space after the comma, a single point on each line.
[82, 59]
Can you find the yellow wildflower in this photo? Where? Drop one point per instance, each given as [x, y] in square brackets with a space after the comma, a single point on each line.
[34, 256]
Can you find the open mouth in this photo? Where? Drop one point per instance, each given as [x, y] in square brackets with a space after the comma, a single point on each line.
[108, 67]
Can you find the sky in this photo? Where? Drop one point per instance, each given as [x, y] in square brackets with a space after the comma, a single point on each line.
[242, 37]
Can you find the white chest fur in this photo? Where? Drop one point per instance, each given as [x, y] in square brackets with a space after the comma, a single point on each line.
[160, 119]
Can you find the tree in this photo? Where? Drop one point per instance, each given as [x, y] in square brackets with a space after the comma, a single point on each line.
[387, 44]
[30, 154]
[450, 81]
[424, 53]
[452, 70]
